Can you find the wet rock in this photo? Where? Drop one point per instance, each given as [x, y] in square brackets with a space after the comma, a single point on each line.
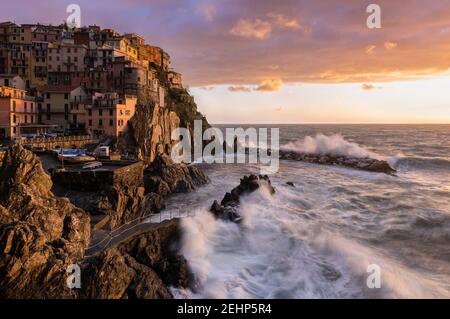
[141, 267]
[228, 208]
[163, 177]
[366, 164]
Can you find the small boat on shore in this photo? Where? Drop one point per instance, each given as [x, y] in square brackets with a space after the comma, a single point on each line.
[79, 159]
[38, 150]
[92, 165]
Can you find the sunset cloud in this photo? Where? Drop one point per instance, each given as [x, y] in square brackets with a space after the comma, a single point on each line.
[369, 87]
[284, 22]
[390, 45]
[370, 49]
[247, 40]
[270, 85]
[208, 11]
[251, 29]
[240, 88]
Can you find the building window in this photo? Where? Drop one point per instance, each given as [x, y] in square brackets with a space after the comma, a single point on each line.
[26, 119]
[90, 112]
[100, 122]
[111, 122]
[90, 122]
[111, 112]
[48, 96]
[66, 96]
[14, 106]
[14, 130]
[100, 112]
[14, 119]
[25, 105]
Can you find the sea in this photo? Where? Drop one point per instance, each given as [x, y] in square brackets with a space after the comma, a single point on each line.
[338, 232]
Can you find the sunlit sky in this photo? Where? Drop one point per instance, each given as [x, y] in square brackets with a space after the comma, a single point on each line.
[299, 61]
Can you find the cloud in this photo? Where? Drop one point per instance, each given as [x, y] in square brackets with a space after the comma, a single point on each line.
[240, 88]
[284, 22]
[369, 87]
[390, 45]
[270, 85]
[251, 29]
[208, 11]
[206, 88]
[370, 49]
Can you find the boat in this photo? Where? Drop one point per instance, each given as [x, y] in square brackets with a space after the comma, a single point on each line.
[92, 165]
[66, 153]
[38, 150]
[79, 159]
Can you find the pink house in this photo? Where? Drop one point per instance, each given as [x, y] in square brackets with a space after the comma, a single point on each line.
[109, 114]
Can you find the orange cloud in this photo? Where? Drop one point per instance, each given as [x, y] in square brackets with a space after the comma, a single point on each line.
[369, 87]
[251, 29]
[270, 85]
[285, 22]
[390, 45]
[370, 49]
[240, 88]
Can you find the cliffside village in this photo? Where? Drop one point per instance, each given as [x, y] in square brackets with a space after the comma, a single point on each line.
[57, 81]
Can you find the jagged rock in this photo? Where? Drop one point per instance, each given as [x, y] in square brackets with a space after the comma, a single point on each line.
[228, 208]
[40, 234]
[163, 176]
[141, 267]
[367, 164]
[129, 203]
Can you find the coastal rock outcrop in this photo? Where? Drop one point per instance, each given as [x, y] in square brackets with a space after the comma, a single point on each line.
[40, 234]
[163, 176]
[228, 207]
[141, 267]
[366, 164]
[149, 131]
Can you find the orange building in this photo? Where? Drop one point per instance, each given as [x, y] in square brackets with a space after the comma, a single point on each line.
[18, 112]
[108, 115]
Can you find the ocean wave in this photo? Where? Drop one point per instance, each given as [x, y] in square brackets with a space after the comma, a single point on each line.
[419, 162]
[330, 145]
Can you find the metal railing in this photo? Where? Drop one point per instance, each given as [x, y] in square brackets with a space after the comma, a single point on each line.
[155, 219]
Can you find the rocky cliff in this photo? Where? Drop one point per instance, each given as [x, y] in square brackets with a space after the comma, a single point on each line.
[149, 131]
[41, 235]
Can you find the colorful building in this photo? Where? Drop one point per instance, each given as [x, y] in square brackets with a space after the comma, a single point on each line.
[108, 114]
[18, 113]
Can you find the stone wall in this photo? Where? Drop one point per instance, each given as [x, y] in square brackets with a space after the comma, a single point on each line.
[97, 180]
[61, 142]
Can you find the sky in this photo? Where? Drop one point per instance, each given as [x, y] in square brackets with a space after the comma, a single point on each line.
[286, 61]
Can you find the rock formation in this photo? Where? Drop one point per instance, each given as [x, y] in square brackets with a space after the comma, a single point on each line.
[149, 131]
[228, 208]
[163, 177]
[142, 267]
[366, 164]
[40, 234]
